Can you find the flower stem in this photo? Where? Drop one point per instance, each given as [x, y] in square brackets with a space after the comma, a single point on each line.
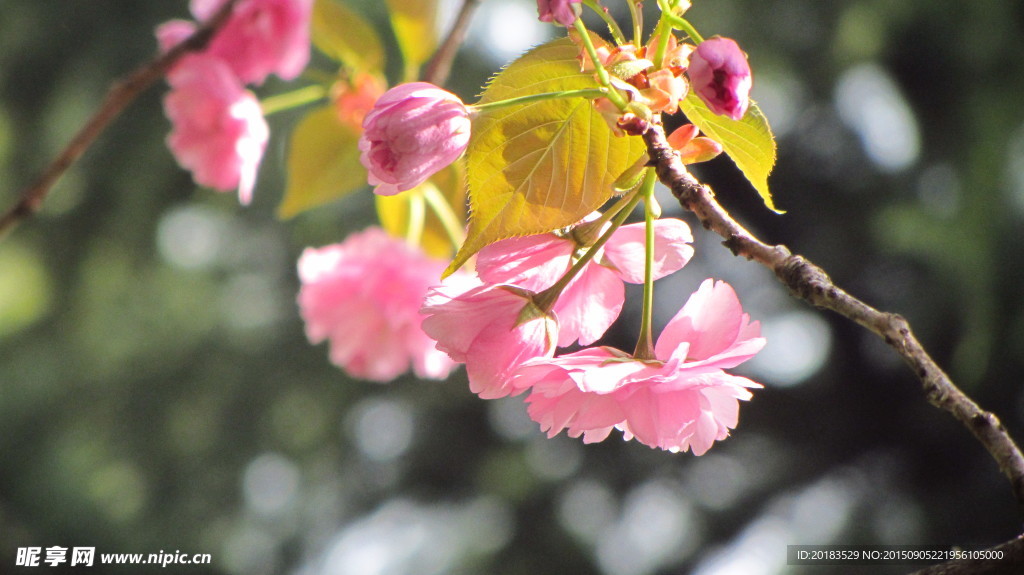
[450, 221]
[293, 99]
[417, 217]
[645, 343]
[589, 93]
[612, 212]
[678, 22]
[613, 26]
[546, 299]
[638, 21]
[602, 74]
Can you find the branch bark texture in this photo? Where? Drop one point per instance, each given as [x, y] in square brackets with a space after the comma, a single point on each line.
[811, 284]
[118, 98]
[440, 66]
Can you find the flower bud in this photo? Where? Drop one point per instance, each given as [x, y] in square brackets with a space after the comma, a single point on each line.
[560, 11]
[720, 75]
[413, 131]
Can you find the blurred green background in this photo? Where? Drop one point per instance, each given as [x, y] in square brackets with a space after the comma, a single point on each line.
[157, 392]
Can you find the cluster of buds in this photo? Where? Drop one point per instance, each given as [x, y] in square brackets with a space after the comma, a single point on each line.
[716, 70]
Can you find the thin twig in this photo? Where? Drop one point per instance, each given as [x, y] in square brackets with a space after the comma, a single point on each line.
[810, 283]
[120, 96]
[440, 65]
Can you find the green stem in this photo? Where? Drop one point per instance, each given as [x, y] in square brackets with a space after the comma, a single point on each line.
[294, 99]
[678, 22]
[613, 26]
[663, 32]
[450, 221]
[546, 299]
[615, 210]
[602, 74]
[645, 343]
[417, 217]
[638, 21]
[589, 93]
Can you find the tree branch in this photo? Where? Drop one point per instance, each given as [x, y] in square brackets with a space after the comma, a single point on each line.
[120, 96]
[440, 66]
[810, 283]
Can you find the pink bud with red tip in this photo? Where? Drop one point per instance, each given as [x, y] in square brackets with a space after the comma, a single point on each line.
[720, 75]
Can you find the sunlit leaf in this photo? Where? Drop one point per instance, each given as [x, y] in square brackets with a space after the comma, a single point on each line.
[414, 22]
[393, 211]
[537, 167]
[345, 36]
[323, 162]
[749, 141]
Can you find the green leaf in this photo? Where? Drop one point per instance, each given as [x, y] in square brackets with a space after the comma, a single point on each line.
[414, 23]
[323, 162]
[537, 167]
[394, 211]
[345, 36]
[748, 141]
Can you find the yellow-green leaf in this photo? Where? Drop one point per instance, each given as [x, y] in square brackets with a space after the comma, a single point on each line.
[748, 141]
[323, 162]
[537, 167]
[345, 36]
[394, 211]
[415, 25]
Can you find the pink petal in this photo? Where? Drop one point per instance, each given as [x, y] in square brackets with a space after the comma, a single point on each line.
[534, 262]
[589, 305]
[625, 249]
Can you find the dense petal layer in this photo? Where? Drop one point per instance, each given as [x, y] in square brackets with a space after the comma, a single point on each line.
[485, 328]
[218, 131]
[364, 295]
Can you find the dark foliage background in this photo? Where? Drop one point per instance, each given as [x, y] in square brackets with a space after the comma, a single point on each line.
[157, 392]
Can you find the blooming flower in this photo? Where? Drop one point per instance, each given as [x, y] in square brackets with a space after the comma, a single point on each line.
[218, 132]
[720, 75]
[560, 11]
[593, 300]
[260, 37]
[364, 295]
[683, 400]
[492, 329]
[413, 131]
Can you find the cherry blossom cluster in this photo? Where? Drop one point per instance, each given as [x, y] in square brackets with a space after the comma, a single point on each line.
[218, 130]
[531, 298]
[375, 297]
[681, 399]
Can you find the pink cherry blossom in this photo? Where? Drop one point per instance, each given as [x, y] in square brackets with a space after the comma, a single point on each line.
[560, 11]
[682, 401]
[720, 75]
[261, 37]
[413, 131]
[593, 300]
[364, 295]
[218, 131]
[492, 329]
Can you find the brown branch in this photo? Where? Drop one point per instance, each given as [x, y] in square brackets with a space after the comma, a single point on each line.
[120, 96]
[440, 65]
[1012, 562]
[810, 283]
